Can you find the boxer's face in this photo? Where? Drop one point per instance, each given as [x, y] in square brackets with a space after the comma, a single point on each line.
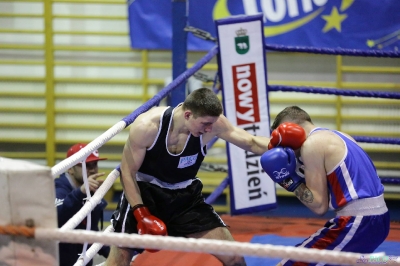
[201, 125]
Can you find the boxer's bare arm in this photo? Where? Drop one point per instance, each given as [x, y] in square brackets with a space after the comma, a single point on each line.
[239, 137]
[315, 193]
[142, 134]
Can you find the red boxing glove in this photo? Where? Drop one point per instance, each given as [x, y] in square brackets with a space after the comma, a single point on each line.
[147, 223]
[287, 135]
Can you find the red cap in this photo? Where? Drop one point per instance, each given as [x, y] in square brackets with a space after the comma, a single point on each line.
[94, 156]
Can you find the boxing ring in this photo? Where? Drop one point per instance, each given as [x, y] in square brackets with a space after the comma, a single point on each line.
[68, 234]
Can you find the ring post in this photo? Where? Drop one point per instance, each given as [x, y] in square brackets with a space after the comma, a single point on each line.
[179, 49]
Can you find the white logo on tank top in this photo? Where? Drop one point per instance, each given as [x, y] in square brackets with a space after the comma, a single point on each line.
[187, 161]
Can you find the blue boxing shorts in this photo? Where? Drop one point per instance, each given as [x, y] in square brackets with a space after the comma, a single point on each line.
[360, 234]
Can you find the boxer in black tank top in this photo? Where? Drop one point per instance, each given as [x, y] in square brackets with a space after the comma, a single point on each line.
[161, 179]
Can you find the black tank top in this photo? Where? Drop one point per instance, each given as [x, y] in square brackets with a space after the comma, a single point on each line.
[173, 168]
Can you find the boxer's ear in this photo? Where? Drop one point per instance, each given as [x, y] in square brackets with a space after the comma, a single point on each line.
[187, 114]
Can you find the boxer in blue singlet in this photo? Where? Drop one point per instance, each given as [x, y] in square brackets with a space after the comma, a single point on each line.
[338, 174]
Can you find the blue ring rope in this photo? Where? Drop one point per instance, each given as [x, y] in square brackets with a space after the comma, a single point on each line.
[173, 85]
[330, 91]
[331, 51]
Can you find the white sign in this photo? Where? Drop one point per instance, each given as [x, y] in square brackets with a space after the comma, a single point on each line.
[243, 74]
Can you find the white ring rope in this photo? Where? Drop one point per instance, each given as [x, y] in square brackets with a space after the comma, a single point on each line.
[91, 147]
[92, 251]
[201, 245]
[88, 197]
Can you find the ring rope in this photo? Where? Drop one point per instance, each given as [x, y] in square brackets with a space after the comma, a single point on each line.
[377, 140]
[210, 246]
[333, 51]
[16, 230]
[218, 191]
[390, 180]
[92, 251]
[88, 149]
[374, 94]
[316, 90]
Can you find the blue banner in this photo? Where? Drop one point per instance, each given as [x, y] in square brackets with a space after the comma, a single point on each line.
[349, 24]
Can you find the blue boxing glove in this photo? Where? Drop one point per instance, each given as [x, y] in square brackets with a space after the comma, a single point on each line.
[280, 164]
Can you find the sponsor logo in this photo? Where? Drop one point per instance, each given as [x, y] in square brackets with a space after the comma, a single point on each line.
[282, 16]
[59, 202]
[283, 173]
[187, 161]
[246, 94]
[287, 183]
[242, 43]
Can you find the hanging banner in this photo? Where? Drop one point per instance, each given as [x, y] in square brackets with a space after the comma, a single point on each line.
[243, 76]
[351, 24]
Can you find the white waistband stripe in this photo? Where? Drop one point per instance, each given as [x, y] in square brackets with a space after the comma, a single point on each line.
[364, 207]
[151, 179]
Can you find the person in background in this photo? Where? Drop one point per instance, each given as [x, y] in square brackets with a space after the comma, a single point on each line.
[70, 197]
[327, 168]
